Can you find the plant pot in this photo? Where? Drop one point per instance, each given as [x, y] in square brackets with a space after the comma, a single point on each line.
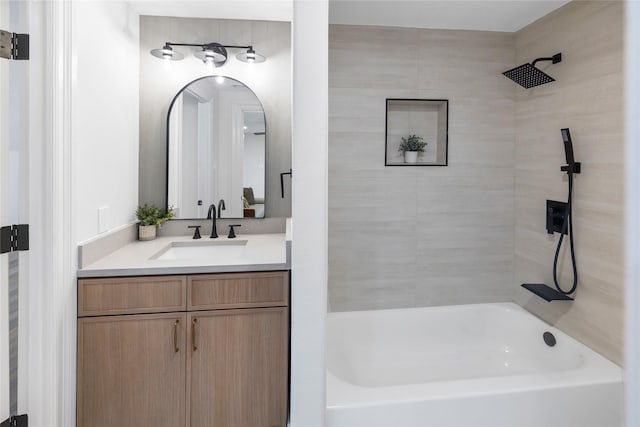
[410, 156]
[146, 232]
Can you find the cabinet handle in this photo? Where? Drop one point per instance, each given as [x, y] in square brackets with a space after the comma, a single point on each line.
[193, 333]
[175, 336]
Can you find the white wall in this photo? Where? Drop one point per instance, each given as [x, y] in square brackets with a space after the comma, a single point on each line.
[309, 224]
[632, 341]
[104, 115]
[90, 160]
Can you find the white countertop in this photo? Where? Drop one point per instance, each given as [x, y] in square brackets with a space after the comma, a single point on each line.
[262, 252]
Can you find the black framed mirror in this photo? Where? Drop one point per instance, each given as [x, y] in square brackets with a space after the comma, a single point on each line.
[216, 148]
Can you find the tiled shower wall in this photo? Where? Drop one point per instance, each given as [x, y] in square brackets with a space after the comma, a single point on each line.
[419, 236]
[475, 230]
[588, 98]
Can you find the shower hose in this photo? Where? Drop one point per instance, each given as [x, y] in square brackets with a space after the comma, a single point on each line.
[568, 222]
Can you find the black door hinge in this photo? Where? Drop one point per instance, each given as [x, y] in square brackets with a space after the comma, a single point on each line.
[14, 46]
[14, 238]
[16, 421]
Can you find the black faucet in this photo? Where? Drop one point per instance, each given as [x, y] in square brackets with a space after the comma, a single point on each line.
[211, 214]
[232, 233]
[221, 207]
[196, 233]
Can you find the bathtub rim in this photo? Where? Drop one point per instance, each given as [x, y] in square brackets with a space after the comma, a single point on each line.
[595, 370]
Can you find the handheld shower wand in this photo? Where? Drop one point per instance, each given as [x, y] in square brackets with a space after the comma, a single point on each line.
[567, 226]
[560, 219]
[572, 167]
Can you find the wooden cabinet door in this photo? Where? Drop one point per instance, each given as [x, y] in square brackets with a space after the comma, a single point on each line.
[131, 370]
[237, 290]
[129, 295]
[238, 367]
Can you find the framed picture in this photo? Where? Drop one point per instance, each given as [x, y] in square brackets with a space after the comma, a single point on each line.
[416, 132]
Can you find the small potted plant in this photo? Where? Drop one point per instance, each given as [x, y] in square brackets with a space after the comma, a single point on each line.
[151, 218]
[412, 146]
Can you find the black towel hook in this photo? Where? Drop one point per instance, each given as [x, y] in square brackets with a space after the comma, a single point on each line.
[282, 181]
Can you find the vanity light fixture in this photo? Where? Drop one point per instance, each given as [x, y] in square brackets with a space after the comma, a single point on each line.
[211, 53]
[167, 53]
[250, 56]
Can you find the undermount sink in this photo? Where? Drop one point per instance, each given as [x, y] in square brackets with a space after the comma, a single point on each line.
[200, 249]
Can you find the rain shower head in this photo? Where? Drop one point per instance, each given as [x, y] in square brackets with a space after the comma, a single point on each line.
[528, 76]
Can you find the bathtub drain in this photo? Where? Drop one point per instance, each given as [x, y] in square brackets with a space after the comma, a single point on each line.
[549, 339]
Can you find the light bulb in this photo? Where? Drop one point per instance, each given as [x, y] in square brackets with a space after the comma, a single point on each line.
[167, 53]
[250, 56]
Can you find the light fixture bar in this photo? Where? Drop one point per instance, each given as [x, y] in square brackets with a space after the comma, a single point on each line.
[211, 53]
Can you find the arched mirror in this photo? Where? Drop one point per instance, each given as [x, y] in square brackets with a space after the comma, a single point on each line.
[216, 133]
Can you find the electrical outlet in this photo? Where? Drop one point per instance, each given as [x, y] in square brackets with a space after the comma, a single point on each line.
[102, 219]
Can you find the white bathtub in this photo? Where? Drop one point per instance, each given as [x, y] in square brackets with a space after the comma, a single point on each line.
[467, 365]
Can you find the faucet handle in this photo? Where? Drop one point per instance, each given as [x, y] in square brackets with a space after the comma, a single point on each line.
[232, 233]
[196, 234]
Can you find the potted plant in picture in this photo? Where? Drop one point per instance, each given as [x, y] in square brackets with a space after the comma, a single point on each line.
[151, 218]
[412, 146]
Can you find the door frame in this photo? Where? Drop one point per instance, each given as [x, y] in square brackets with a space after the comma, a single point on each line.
[19, 103]
[4, 259]
[51, 311]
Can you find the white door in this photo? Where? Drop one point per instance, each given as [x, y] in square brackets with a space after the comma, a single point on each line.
[14, 78]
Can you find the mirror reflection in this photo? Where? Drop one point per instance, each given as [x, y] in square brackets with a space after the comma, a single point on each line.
[216, 134]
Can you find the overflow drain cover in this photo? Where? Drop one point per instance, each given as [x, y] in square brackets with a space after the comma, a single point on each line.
[549, 339]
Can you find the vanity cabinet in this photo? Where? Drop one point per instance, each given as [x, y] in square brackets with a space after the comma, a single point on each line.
[238, 367]
[219, 357]
[131, 370]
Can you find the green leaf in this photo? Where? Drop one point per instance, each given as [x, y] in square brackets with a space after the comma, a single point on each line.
[412, 143]
[152, 215]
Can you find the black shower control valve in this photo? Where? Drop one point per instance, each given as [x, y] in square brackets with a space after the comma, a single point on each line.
[232, 233]
[196, 233]
[556, 216]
